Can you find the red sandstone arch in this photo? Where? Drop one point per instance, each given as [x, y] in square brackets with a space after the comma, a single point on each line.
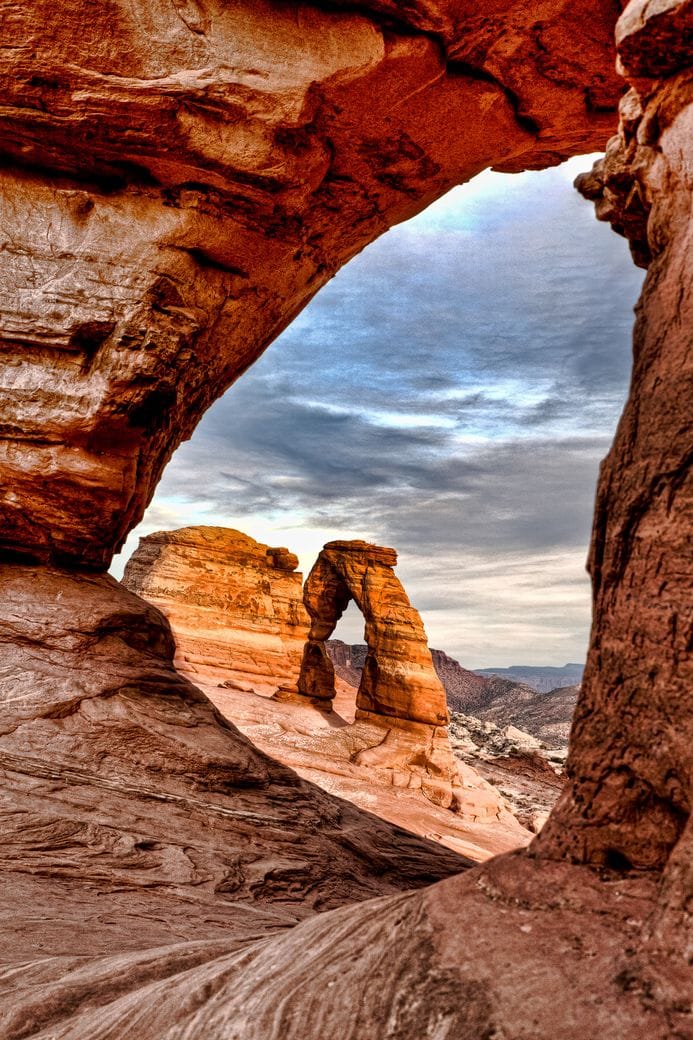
[398, 679]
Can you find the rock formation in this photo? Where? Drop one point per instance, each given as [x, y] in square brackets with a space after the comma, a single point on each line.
[399, 690]
[178, 179]
[135, 816]
[398, 679]
[236, 613]
[631, 787]
[181, 176]
[492, 698]
[234, 605]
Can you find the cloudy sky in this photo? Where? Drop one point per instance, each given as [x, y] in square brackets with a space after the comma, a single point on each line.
[449, 393]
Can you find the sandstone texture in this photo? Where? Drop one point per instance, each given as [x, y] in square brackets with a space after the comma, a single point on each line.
[398, 679]
[630, 764]
[178, 179]
[237, 617]
[235, 606]
[133, 813]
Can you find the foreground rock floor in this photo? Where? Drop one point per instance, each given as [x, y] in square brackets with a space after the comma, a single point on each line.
[514, 948]
[161, 876]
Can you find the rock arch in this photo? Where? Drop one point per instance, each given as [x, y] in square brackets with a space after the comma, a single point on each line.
[398, 681]
[167, 210]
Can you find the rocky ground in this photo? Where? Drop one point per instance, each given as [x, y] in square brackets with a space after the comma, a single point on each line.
[178, 180]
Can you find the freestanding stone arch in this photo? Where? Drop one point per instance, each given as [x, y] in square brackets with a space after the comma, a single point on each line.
[398, 679]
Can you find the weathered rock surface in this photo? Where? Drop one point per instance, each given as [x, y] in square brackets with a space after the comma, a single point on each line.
[134, 815]
[516, 948]
[528, 775]
[236, 613]
[235, 605]
[180, 178]
[398, 679]
[520, 766]
[630, 764]
[399, 697]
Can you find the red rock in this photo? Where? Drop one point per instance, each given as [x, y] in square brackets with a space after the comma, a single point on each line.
[178, 181]
[235, 605]
[181, 178]
[399, 692]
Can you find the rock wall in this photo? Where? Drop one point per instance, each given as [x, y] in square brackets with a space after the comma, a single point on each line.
[235, 605]
[178, 180]
[630, 763]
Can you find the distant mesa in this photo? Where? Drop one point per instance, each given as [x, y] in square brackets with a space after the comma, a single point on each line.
[541, 678]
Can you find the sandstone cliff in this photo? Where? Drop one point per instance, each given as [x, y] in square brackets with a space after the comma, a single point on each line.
[235, 605]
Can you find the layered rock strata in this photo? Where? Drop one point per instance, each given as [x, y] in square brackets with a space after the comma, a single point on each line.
[135, 816]
[234, 604]
[398, 679]
[630, 765]
[399, 691]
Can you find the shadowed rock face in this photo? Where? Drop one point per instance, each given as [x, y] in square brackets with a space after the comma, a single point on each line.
[235, 605]
[138, 816]
[179, 179]
[630, 761]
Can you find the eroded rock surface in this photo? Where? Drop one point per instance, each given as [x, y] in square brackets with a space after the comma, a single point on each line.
[134, 815]
[398, 678]
[234, 604]
[516, 948]
[631, 785]
[179, 179]
[399, 697]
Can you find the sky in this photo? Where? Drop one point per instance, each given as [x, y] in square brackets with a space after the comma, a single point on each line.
[449, 393]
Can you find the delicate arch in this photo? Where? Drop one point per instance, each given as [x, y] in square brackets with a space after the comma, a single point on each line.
[398, 679]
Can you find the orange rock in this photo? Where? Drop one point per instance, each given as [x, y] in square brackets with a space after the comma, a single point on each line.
[234, 604]
[398, 680]
[399, 692]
